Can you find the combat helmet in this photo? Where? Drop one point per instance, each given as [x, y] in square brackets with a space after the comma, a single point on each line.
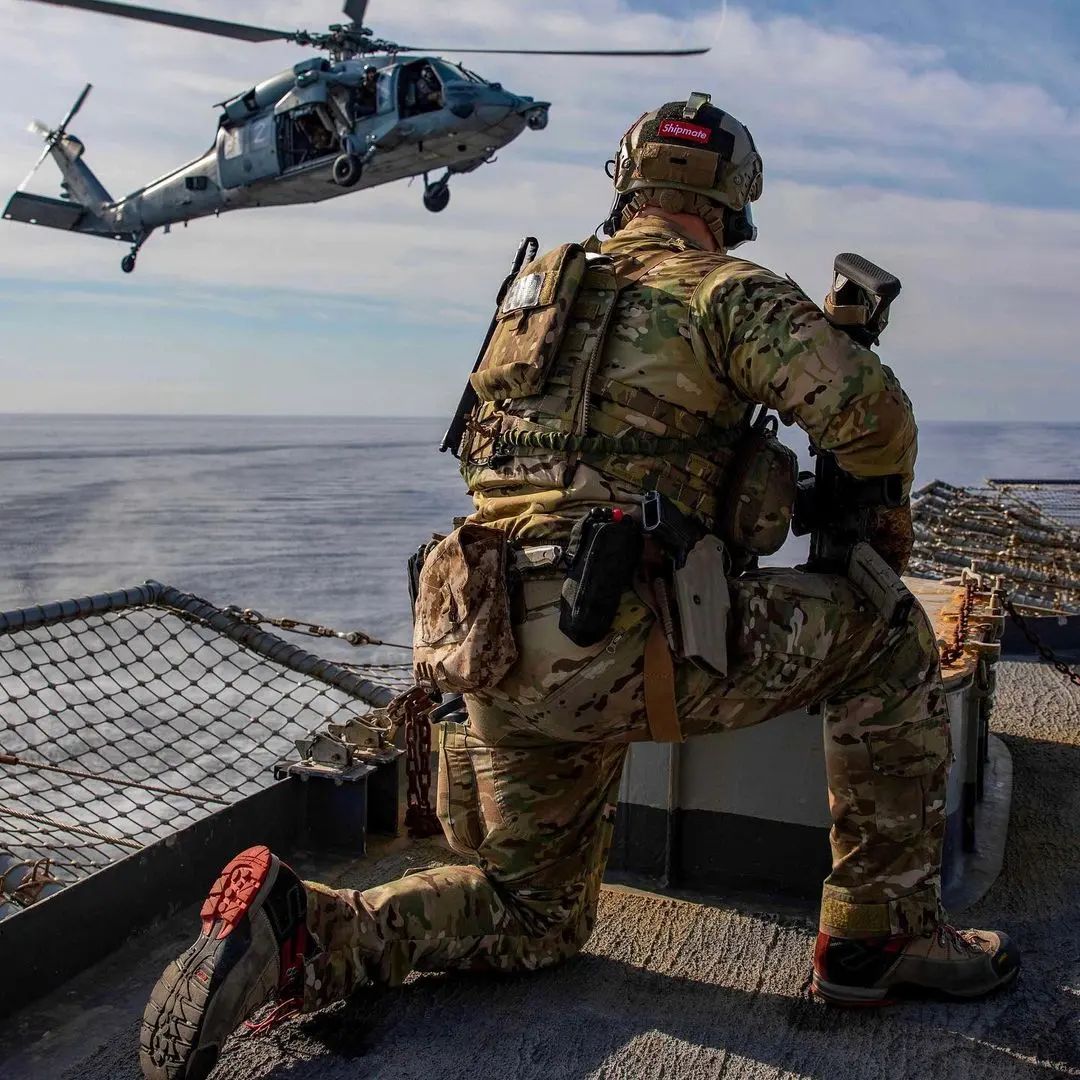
[689, 157]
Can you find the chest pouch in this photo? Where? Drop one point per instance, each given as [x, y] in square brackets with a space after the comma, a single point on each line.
[530, 325]
[463, 639]
[759, 496]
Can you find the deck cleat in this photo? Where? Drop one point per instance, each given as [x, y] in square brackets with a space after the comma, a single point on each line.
[250, 954]
[949, 964]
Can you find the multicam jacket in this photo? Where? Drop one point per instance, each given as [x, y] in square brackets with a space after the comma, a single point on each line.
[666, 350]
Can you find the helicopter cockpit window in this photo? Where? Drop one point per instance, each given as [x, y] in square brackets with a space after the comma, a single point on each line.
[448, 72]
[231, 143]
[421, 90]
[384, 93]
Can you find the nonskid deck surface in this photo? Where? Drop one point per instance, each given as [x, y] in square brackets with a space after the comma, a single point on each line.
[667, 987]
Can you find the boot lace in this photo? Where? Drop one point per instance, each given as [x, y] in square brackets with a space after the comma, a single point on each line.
[285, 1003]
[964, 942]
[278, 1014]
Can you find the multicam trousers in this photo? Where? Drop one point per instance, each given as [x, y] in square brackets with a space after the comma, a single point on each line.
[528, 786]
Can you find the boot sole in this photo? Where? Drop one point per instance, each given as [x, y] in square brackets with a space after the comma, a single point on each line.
[173, 1021]
[866, 997]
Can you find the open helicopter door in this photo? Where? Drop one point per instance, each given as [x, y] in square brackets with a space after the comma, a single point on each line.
[248, 151]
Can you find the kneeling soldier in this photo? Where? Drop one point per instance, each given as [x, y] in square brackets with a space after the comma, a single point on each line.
[610, 375]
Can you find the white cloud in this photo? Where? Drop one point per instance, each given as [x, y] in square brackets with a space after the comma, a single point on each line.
[988, 288]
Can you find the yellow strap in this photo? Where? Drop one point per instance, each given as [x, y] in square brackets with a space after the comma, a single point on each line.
[660, 707]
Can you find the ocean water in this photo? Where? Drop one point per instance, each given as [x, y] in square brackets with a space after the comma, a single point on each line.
[306, 517]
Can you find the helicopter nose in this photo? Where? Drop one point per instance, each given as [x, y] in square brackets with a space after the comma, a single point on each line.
[536, 116]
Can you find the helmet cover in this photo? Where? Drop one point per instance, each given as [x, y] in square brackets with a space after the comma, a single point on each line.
[691, 146]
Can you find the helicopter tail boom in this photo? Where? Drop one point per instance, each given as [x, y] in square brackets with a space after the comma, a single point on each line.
[85, 203]
[79, 184]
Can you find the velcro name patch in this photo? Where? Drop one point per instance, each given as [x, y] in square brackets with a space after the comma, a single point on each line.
[524, 293]
[680, 129]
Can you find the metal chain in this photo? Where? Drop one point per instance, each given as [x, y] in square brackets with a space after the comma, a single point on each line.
[298, 626]
[420, 818]
[953, 651]
[116, 781]
[28, 891]
[1043, 650]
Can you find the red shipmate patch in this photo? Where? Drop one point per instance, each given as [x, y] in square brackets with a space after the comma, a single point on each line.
[680, 129]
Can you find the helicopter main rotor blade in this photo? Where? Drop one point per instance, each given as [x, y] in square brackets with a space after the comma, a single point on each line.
[355, 9]
[173, 18]
[558, 52]
[75, 108]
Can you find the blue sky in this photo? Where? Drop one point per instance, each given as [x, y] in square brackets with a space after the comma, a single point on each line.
[941, 139]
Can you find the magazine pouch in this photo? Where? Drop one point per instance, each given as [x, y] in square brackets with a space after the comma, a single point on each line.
[462, 635]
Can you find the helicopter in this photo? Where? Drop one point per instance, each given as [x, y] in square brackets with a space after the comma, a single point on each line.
[369, 112]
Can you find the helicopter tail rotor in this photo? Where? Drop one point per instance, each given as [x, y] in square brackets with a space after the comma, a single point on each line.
[53, 135]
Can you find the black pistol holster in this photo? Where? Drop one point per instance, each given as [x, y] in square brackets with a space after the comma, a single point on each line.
[604, 551]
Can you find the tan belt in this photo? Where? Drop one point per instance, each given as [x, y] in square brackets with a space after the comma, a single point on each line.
[661, 709]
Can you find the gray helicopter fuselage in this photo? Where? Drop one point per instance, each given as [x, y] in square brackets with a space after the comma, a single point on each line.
[277, 143]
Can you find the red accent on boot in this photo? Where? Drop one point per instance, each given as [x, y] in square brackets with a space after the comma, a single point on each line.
[235, 889]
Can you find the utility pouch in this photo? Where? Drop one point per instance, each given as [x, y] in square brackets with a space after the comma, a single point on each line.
[604, 552]
[529, 326]
[880, 584]
[703, 604]
[759, 497]
[463, 639]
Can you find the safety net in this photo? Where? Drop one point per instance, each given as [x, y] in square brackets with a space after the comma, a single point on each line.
[1026, 532]
[129, 715]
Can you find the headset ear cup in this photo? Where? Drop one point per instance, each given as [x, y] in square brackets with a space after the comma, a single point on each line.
[739, 227]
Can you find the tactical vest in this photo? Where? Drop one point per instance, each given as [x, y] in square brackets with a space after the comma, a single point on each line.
[591, 364]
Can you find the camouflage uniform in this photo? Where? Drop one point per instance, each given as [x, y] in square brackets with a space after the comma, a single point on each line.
[528, 786]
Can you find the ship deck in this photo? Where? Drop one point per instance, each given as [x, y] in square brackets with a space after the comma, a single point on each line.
[669, 985]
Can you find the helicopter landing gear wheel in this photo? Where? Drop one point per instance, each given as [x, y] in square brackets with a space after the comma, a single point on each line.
[127, 263]
[436, 196]
[347, 170]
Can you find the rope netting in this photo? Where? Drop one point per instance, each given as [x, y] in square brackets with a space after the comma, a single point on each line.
[1027, 532]
[127, 716]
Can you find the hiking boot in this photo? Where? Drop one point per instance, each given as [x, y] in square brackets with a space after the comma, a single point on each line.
[251, 952]
[957, 965]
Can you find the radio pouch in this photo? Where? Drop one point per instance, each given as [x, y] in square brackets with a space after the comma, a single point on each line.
[463, 639]
[603, 553]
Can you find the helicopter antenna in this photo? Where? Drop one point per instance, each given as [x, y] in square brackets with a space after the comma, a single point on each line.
[53, 137]
[342, 41]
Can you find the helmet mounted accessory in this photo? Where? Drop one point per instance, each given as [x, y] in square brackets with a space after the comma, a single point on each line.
[689, 157]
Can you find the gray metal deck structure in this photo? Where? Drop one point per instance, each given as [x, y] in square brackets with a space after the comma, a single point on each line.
[670, 985]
